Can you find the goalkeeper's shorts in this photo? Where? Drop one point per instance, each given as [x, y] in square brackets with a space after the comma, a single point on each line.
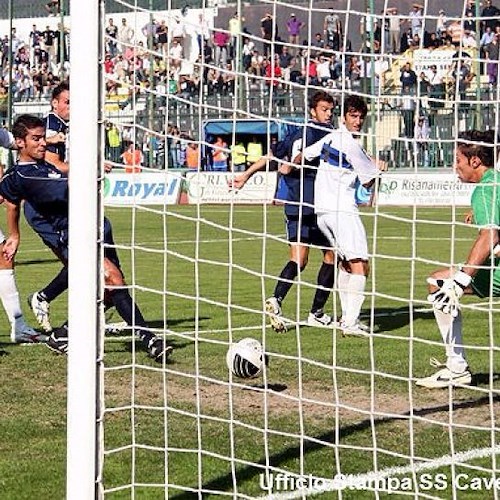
[481, 283]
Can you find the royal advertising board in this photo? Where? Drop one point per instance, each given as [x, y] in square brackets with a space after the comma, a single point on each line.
[124, 189]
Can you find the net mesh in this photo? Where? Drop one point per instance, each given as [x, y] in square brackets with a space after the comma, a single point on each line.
[329, 413]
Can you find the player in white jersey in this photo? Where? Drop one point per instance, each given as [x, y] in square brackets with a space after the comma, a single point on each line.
[6, 139]
[9, 295]
[343, 166]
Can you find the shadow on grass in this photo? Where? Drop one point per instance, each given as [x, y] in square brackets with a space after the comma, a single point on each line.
[387, 319]
[37, 261]
[225, 483]
[174, 322]
[271, 387]
[139, 347]
[484, 379]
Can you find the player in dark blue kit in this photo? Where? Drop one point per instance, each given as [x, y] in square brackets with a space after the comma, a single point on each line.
[35, 180]
[57, 135]
[301, 226]
[57, 128]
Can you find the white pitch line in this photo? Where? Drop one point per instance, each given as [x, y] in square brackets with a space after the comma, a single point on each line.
[253, 238]
[28, 252]
[370, 478]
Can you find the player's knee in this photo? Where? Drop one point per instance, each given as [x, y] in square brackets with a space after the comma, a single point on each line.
[329, 257]
[345, 266]
[112, 275]
[359, 266]
[300, 258]
[301, 262]
[366, 268]
[113, 279]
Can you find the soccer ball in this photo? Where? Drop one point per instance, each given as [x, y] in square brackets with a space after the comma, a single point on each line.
[246, 358]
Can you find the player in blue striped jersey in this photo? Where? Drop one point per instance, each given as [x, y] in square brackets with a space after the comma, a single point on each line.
[301, 225]
[343, 166]
[45, 187]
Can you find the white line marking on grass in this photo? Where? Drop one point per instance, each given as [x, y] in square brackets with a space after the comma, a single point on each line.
[118, 336]
[25, 344]
[173, 242]
[371, 479]
[397, 312]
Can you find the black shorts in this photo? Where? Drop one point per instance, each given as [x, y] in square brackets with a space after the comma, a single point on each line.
[305, 230]
[57, 239]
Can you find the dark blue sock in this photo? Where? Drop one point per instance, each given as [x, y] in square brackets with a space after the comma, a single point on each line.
[56, 287]
[129, 311]
[326, 279]
[289, 273]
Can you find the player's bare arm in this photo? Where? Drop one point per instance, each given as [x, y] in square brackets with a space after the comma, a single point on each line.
[56, 138]
[447, 286]
[486, 240]
[53, 158]
[12, 242]
[285, 167]
[481, 250]
[238, 181]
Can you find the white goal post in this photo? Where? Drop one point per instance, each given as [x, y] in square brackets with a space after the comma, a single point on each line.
[85, 254]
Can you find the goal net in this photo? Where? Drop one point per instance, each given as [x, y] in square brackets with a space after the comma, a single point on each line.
[191, 95]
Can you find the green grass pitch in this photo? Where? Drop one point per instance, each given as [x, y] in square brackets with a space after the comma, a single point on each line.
[334, 404]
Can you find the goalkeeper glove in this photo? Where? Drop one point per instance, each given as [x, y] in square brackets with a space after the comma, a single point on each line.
[447, 297]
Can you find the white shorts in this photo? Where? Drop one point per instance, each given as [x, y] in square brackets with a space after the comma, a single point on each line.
[2, 237]
[346, 234]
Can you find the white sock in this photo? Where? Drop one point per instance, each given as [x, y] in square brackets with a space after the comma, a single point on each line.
[10, 296]
[355, 298]
[451, 333]
[343, 278]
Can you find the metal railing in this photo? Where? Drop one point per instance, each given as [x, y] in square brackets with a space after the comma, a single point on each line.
[396, 148]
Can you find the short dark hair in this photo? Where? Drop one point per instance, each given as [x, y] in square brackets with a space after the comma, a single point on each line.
[355, 103]
[24, 124]
[468, 145]
[319, 96]
[62, 87]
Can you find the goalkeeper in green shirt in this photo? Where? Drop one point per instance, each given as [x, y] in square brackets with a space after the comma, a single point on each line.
[480, 274]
